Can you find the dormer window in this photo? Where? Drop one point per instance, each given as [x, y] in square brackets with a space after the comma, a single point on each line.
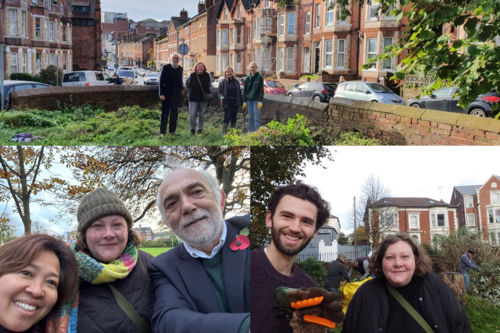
[432, 202]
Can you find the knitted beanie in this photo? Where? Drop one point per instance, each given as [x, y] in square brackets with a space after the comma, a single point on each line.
[99, 203]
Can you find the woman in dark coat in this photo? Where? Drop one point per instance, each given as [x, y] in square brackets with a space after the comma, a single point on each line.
[197, 83]
[403, 269]
[108, 262]
[231, 98]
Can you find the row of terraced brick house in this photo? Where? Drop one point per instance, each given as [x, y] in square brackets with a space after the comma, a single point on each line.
[475, 207]
[39, 33]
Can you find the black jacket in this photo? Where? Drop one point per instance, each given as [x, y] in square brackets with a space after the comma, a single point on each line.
[368, 310]
[170, 81]
[336, 270]
[98, 311]
[194, 88]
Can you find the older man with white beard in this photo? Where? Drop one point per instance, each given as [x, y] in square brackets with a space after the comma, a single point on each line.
[202, 285]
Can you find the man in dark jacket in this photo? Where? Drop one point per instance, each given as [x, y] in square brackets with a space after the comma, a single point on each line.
[171, 92]
[361, 265]
[336, 270]
[202, 285]
[466, 263]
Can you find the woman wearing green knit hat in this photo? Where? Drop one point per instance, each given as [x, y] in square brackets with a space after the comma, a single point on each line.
[113, 272]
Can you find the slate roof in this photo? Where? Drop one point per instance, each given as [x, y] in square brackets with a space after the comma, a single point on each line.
[467, 190]
[177, 21]
[411, 203]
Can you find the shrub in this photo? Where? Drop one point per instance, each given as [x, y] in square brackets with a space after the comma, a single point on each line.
[314, 269]
[24, 77]
[486, 282]
[48, 75]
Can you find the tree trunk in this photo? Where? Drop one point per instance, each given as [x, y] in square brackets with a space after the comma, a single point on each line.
[455, 281]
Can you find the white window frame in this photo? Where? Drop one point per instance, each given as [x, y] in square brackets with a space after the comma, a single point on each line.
[24, 22]
[25, 63]
[341, 52]
[371, 54]
[290, 24]
[12, 15]
[471, 203]
[289, 59]
[329, 12]
[372, 10]
[281, 24]
[279, 59]
[339, 20]
[387, 63]
[38, 33]
[238, 36]
[435, 220]
[14, 62]
[417, 217]
[317, 16]
[494, 194]
[307, 25]
[469, 224]
[328, 54]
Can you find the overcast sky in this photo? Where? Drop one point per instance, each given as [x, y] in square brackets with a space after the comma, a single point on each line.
[407, 171]
[156, 9]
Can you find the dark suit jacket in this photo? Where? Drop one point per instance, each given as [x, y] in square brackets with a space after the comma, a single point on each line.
[184, 297]
[170, 81]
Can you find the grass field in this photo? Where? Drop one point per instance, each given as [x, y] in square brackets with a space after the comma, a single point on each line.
[155, 251]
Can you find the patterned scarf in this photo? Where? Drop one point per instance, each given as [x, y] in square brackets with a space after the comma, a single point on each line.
[94, 272]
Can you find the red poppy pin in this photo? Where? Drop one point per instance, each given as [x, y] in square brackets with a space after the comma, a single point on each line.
[241, 241]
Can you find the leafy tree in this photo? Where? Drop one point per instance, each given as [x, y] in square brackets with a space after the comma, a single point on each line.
[7, 230]
[50, 74]
[20, 178]
[342, 239]
[270, 168]
[468, 62]
[152, 60]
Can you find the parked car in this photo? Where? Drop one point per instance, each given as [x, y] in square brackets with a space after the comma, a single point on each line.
[13, 85]
[443, 99]
[85, 78]
[367, 91]
[128, 75]
[317, 91]
[274, 87]
[152, 78]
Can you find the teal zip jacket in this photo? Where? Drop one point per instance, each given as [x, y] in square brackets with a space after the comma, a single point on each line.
[253, 90]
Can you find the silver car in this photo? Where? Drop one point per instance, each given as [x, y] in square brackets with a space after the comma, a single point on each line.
[152, 78]
[367, 91]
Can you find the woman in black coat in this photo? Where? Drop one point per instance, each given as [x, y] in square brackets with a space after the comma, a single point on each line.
[197, 83]
[403, 270]
[230, 96]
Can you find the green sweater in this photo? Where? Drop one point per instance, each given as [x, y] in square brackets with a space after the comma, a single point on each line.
[213, 267]
[253, 90]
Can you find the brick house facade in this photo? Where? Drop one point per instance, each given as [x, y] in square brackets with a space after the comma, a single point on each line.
[145, 233]
[167, 45]
[480, 208]
[36, 34]
[420, 218]
[87, 47]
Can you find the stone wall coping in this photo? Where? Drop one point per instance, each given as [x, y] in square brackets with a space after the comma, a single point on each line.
[297, 101]
[79, 90]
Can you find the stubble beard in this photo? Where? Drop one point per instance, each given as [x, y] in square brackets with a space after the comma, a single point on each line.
[203, 233]
[275, 234]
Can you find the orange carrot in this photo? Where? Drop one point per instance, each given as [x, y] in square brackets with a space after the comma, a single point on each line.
[307, 303]
[319, 321]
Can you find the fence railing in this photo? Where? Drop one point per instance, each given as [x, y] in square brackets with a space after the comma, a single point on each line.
[327, 257]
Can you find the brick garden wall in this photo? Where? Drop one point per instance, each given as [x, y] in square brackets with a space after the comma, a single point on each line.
[391, 123]
[110, 98]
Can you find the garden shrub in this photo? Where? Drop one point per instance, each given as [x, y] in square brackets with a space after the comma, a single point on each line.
[314, 269]
[486, 282]
[24, 77]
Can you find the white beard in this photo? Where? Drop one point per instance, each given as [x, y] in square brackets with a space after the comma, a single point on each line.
[204, 232]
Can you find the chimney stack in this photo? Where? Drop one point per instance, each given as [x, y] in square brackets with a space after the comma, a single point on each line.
[184, 14]
[201, 6]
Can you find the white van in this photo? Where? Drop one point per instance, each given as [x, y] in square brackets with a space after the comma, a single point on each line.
[85, 78]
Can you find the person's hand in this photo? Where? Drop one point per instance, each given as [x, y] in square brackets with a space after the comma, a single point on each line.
[244, 106]
[259, 105]
[221, 98]
[162, 97]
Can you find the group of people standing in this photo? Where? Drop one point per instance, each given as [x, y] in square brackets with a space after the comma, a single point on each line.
[198, 83]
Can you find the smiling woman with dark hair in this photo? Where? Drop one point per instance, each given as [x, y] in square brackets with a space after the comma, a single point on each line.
[405, 296]
[37, 274]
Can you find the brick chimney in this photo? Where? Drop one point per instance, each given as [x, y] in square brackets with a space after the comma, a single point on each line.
[184, 14]
[209, 3]
[201, 6]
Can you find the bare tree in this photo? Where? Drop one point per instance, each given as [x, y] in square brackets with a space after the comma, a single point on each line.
[372, 191]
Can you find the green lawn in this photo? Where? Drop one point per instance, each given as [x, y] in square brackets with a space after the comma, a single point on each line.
[155, 251]
[484, 317]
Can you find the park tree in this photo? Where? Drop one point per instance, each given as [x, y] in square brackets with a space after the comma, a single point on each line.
[342, 239]
[7, 229]
[270, 168]
[470, 63]
[21, 180]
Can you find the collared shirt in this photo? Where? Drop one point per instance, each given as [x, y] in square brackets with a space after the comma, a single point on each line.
[200, 254]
